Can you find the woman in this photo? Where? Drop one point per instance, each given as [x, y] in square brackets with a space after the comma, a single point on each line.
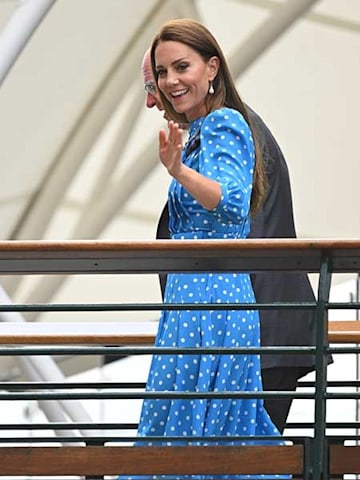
[218, 179]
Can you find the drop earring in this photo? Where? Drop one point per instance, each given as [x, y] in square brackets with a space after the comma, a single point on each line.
[211, 88]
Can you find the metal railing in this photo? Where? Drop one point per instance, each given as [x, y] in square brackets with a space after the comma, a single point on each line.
[325, 257]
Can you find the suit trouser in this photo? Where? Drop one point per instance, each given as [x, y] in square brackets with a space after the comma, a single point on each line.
[280, 379]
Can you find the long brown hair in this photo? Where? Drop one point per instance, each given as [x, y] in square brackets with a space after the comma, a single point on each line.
[196, 36]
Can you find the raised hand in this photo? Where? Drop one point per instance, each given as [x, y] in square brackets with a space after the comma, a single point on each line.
[170, 147]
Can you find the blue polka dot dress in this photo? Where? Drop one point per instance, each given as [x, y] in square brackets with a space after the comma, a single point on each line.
[220, 147]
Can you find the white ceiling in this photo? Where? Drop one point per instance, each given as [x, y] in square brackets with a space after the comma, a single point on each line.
[78, 149]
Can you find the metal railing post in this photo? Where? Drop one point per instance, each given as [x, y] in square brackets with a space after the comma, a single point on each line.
[322, 344]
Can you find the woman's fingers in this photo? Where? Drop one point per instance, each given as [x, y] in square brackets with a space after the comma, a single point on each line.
[162, 139]
[170, 146]
[175, 133]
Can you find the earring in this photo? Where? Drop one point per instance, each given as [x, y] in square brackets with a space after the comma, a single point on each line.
[211, 88]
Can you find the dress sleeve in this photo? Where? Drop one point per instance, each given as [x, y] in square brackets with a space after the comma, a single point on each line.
[227, 156]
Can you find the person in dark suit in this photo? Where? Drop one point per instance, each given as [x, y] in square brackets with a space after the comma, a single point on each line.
[275, 220]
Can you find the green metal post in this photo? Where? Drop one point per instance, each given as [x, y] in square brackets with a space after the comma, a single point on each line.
[319, 458]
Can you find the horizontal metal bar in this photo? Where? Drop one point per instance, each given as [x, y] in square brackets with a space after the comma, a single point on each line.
[100, 440]
[331, 383]
[342, 395]
[329, 425]
[344, 350]
[15, 386]
[73, 307]
[68, 426]
[131, 426]
[18, 386]
[131, 307]
[95, 350]
[154, 394]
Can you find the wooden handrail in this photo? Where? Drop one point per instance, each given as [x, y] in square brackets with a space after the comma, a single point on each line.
[92, 256]
[344, 331]
[344, 459]
[122, 333]
[112, 460]
[185, 460]
[85, 333]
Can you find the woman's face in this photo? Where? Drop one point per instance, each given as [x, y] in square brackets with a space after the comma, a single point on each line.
[183, 77]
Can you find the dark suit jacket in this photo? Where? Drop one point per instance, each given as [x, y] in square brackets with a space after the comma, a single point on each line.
[275, 220]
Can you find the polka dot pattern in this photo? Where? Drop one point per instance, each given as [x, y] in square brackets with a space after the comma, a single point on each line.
[226, 154]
